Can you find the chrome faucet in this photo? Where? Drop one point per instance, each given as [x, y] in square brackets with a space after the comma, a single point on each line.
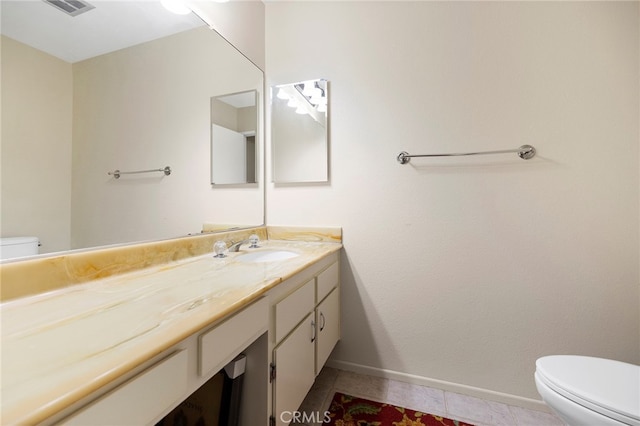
[253, 240]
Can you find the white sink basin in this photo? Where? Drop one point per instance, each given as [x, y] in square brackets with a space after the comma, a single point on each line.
[266, 256]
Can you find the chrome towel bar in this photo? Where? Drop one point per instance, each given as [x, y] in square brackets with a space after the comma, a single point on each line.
[116, 173]
[525, 152]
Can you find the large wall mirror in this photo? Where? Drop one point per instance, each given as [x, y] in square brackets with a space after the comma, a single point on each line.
[300, 132]
[126, 85]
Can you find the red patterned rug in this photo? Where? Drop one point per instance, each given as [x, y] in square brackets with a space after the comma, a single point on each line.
[347, 410]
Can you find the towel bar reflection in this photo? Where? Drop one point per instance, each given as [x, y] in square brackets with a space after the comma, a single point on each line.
[116, 173]
[525, 152]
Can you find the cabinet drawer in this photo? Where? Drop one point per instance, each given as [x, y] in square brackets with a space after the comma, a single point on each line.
[327, 280]
[218, 345]
[141, 399]
[290, 311]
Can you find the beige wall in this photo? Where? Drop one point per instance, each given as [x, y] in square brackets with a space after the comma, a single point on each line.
[35, 146]
[468, 269]
[238, 119]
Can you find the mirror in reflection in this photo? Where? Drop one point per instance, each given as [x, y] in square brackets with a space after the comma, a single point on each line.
[299, 126]
[234, 124]
[71, 114]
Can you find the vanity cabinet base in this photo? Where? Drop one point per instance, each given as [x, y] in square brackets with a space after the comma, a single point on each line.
[305, 327]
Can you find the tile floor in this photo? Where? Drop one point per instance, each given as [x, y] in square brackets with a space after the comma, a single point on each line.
[435, 401]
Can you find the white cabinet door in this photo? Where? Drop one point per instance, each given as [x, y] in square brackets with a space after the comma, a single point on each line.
[294, 360]
[328, 324]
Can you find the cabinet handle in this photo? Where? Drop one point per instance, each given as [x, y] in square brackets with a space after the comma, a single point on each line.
[323, 321]
[313, 331]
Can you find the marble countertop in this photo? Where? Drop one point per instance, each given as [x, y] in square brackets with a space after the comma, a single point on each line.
[60, 346]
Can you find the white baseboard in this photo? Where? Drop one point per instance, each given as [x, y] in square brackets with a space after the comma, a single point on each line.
[505, 398]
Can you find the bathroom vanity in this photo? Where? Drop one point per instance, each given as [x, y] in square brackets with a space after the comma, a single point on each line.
[305, 328]
[128, 348]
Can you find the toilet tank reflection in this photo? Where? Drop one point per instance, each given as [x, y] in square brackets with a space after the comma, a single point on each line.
[16, 247]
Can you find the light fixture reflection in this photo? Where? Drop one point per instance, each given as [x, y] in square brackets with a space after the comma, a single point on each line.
[311, 90]
[282, 94]
[306, 97]
[176, 6]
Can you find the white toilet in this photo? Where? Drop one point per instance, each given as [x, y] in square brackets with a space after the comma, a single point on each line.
[18, 247]
[590, 391]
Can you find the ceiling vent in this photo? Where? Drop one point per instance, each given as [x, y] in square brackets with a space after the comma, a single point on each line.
[70, 7]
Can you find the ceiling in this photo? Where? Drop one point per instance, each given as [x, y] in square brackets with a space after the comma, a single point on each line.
[110, 26]
[240, 100]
